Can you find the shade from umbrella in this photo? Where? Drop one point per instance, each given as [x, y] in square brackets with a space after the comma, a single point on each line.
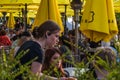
[11, 21]
[48, 10]
[98, 20]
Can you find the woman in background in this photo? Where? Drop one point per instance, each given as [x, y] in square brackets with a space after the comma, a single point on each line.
[52, 65]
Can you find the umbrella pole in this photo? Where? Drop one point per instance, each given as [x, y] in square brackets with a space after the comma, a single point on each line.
[65, 19]
[25, 17]
[76, 5]
[76, 18]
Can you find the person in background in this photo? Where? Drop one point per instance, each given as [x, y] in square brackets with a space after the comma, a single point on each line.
[65, 48]
[16, 35]
[104, 56]
[71, 35]
[18, 25]
[11, 33]
[52, 65]
[15, 38]
[4, 39]
[47, 37]
[4, 26]
[23, 37]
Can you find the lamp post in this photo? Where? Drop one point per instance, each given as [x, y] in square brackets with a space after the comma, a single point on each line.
[76, 6]
[24, 15]
[65, 19]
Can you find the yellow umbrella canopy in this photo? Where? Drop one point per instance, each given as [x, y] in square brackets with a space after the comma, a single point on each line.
[48, 10]
[98, 22]
[69, 11]
[5, 1]
[26, 1]
[30, 14]
[17, 5]
[18, 1]
[116, 2]
[63, 1]
[117, 6]
[1, 14]
[11, 21]
[62, 4]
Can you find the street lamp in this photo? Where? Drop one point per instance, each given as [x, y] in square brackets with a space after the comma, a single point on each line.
[76, 6]
[24, 15]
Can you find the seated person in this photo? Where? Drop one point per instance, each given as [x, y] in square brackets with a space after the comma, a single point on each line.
[4, 39]
[104, 57]
[52, 65]
[23, 37]
[65, 48]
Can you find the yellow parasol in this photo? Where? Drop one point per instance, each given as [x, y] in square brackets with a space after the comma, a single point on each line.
[1, 14]
[11, 21]
[117, 6]
[48, 10]
[98, 20]
[26, 1]
[69, 11]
